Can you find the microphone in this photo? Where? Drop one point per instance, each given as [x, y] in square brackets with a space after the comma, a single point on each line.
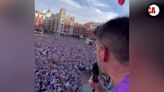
[94, 75]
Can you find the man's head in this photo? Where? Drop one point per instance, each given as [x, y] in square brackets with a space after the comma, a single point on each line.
[113, 44]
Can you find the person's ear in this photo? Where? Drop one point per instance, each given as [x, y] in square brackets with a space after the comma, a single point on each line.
[104, 52]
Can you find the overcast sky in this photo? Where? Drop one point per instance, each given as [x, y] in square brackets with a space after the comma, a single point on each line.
[86, 10]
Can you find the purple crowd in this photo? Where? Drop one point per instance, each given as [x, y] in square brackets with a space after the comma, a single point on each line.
[59, 61]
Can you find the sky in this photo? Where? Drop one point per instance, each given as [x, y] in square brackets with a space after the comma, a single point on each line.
[86, 10]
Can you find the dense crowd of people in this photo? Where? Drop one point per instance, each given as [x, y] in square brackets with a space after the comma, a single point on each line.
[59, 61]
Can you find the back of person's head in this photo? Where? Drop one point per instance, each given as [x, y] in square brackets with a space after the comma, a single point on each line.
[115, 35]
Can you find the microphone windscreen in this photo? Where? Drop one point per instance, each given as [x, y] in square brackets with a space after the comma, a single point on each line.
[95, 69]
[95, 72]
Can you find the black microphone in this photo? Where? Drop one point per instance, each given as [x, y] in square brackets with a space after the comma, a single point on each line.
[95, 73]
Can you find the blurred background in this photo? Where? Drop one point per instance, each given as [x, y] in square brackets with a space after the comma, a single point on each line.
[16, 46]
[30, 50]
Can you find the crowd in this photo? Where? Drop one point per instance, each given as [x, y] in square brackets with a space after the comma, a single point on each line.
[59, 61]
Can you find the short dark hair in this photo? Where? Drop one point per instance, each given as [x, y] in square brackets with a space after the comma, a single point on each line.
[115, 34]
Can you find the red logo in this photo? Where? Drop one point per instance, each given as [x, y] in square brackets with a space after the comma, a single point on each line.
[153, 10]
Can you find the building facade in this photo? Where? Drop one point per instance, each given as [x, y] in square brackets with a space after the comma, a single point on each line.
[92, 25]
[81, 31]
[61, 23]
[39, 21]
[65, 23]
[50, 23]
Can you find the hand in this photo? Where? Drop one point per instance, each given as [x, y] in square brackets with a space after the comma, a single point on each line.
[97, 86]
